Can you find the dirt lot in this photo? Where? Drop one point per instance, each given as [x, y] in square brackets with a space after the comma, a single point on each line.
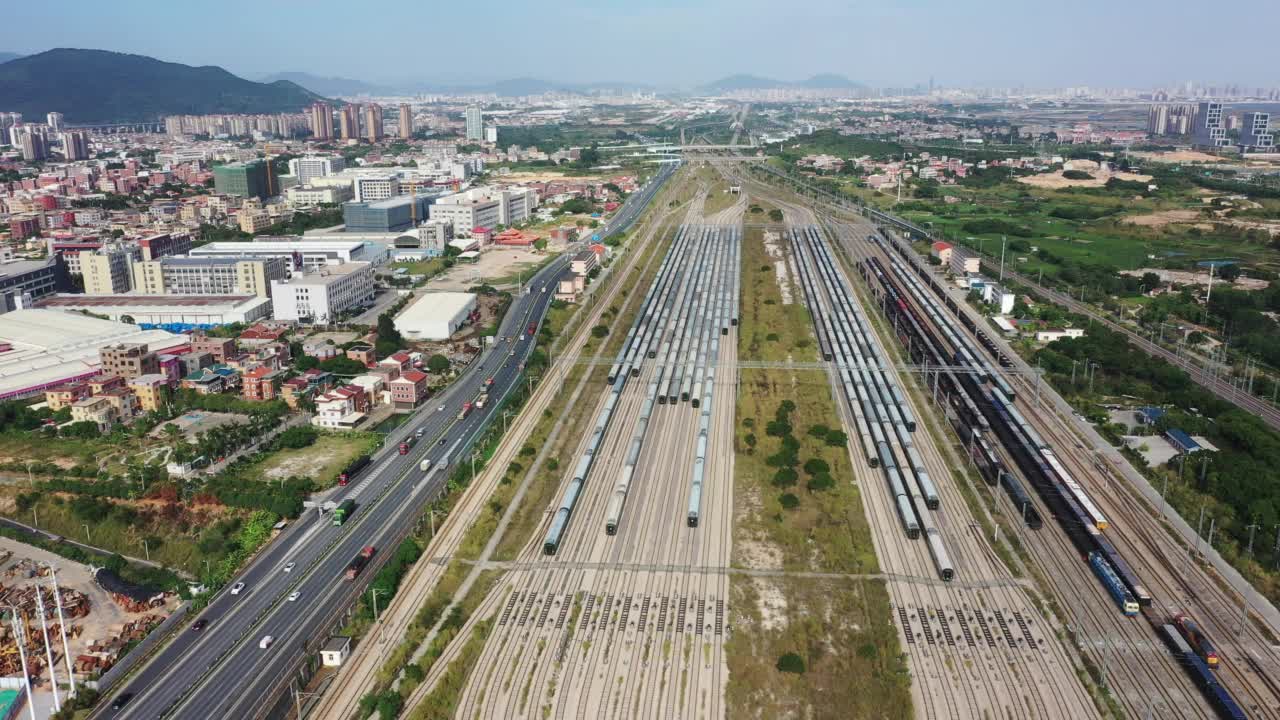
[1182, 277]
[1178, 156]
[1166, 217]
[491, 265]
[322, 460]
[1054, 181]
[198, 421]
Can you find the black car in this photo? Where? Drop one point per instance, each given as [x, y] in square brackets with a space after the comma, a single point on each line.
[121, 701]
[199, 625]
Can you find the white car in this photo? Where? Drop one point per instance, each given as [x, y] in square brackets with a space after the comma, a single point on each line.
[265, 642]
[293, 596]
[289, 566]
[440, 409]
[235, 589]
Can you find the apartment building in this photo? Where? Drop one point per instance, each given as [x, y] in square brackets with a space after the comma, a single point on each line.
[106, 270]
[128, 360]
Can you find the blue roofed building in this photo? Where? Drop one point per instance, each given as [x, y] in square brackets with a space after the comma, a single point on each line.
[1182, 442]
[1149, 415]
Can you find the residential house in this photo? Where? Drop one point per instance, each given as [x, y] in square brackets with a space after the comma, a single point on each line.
[260, 334]
[363, 354]
[341, 408]
[219, 348]
[151, 390]
[65, 395]
[261, 383]
[409, 389]
[374, 386]
[97, 410]
[212, 380]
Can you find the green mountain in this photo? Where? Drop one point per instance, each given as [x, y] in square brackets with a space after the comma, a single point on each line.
[97, 86]
[7, 56]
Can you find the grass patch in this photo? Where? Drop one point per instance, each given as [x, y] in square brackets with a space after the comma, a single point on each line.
[323, 459]
[850, 659]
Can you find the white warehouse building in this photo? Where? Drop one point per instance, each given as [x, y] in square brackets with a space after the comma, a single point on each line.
[313, 253]
[436, 316]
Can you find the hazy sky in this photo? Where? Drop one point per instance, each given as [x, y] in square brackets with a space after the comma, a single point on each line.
[685, 42]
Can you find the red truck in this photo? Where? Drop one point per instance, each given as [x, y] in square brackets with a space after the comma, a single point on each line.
[533, 328]
[358, 562]
[466, 410]
[404, 446]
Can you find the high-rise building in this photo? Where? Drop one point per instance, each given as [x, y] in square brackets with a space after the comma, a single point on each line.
[311, 167]
[75, 145]
[349, 122]
[475, 123]
[322, 121]
[491, 134]
[33, 144]
[1210, 130]
[1255, 132]
[54, 121]
[373, 122]
[406, 121]
[249, 179]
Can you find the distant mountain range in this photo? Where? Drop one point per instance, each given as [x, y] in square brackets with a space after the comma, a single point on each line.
[97, 86]
[7, 56]
[328, 86]
[825, 81]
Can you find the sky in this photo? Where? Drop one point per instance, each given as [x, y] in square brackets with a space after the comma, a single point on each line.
[686, 43]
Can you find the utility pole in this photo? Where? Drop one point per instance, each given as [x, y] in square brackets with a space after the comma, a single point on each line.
[62, 627]
[20, 635]
[1003, 240]
[48, 649]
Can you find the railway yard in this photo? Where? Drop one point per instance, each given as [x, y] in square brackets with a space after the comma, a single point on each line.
[1018, 576]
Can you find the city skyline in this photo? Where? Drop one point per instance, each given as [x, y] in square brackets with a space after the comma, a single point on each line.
[675, 46]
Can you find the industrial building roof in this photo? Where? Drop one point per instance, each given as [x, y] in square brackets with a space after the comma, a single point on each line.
[433, 310]
[71, 300]
[51, 347]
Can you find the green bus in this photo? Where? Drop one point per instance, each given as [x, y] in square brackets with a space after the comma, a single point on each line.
[343, 511]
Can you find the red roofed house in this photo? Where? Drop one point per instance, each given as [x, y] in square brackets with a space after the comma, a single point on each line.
[513, 237]
[409, 389]
[482, 235]
[400, 360]
[341, 408]
[261, 383]
[262, 334]
[942, 251]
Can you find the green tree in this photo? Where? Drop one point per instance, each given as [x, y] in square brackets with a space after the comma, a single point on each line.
[438, 364]
[600, 331]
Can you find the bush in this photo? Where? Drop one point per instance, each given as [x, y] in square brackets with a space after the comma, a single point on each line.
[819, 431]
[599, 331]
[815, 466]
[820, 482]
[791, 663]
[438, 364]
[789, 501]
[775, 215]
[1076, 175]
[837, 438]
[785, 477]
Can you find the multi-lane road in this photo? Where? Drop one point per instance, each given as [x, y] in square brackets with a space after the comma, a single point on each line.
[224, 670]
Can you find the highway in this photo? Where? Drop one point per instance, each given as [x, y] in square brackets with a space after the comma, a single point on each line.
[222, 671]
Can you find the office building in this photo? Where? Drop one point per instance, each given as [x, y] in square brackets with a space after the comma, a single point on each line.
[475, 123]
[324, 294]
[491, 134]
[33, 145]
[392, 215]
[208, 275]
[373, 122]
[376, 187]
[1210, 129]
[405, 126]
[128, 360]
[321, 121]
[484, 207]
[1255, 133]
[106, 271]
[247, 179]
[75, 145]
[349, 122]
[308, 196]
[307, 169]
[54, 121]
[298, 253]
